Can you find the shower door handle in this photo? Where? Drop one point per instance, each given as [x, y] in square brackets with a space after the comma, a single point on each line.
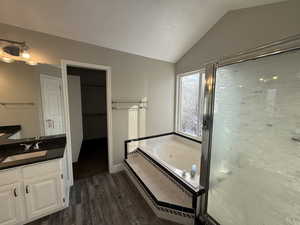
[205, 124]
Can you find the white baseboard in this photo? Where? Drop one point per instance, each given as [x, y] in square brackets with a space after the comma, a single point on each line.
[116, 168]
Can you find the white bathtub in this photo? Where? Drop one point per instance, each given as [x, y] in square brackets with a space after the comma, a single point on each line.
[175, 153]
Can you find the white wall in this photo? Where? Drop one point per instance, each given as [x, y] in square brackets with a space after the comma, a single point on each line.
[132, 77]
[241, 30]
[21, 83]
[75, 115]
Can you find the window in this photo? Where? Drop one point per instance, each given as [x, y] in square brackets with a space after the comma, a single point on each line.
[189, 101]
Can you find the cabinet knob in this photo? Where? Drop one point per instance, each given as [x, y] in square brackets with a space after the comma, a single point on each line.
[15, 192]
[27, 189]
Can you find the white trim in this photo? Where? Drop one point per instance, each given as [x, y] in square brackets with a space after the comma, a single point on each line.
[191, 72]
[117, 168]
[197, 138]
[178, 102]
[64, 64]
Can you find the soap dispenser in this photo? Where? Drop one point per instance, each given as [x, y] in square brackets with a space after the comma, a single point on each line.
[193, 170]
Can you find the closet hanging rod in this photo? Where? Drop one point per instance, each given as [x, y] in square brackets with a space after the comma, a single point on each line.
[123, 108]
[113, 102]
[16, 103]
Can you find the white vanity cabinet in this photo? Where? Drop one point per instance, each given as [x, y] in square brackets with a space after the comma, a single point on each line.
[42, 195]
[11, 204]
[31, 192]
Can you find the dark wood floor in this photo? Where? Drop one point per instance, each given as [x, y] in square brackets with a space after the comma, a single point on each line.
[104, 199]
[92, 160]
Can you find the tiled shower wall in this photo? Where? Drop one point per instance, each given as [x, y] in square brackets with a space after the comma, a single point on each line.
[255, 165]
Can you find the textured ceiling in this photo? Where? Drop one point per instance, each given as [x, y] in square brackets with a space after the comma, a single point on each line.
[159, 29]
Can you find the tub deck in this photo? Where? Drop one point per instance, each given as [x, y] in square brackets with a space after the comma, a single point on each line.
[175, 153]
[164, 189]
[156, 164]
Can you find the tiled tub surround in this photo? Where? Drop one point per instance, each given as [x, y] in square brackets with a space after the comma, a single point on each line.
[168, 200]
[255, 162]
[163, 189]
[155, 164]
[176, 154]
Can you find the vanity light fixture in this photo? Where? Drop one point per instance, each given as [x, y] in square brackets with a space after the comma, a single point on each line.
[16, 50]
[31, 63]
[25, 54]
[7, 60]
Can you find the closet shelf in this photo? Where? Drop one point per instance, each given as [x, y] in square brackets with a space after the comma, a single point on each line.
[93, 85]
[94, 114]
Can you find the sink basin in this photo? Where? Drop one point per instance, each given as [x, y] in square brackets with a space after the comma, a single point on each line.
[24, 156]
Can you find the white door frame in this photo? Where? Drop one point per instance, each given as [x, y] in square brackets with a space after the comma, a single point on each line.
[64, 64]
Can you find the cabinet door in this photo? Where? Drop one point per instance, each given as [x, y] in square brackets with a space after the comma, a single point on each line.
[43, 196]
[11, 204]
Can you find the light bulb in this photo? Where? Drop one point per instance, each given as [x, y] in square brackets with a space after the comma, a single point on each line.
[32, 63]
[25, 55]
[275, 77]
[7, 60]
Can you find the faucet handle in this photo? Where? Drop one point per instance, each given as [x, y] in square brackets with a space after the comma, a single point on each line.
[26, 146]
[36, 145]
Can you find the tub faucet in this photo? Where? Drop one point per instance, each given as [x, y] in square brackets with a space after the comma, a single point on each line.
[37, 146]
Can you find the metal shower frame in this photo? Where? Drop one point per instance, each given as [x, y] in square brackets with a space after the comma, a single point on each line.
[284, 45]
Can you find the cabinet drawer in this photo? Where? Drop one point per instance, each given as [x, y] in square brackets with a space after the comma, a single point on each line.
[41, 169]
[10, 176]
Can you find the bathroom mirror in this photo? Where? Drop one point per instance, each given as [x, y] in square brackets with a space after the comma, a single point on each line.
[31, 100]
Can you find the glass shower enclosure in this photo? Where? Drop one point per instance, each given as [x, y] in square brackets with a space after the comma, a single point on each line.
[251, 146]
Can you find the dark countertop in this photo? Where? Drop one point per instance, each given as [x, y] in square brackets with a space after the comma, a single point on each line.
[54, 144]
[54, 153]
[6, 132]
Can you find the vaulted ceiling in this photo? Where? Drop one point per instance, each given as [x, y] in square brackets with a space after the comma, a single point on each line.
[159, 29]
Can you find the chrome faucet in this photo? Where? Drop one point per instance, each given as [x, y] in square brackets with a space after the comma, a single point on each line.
[26, 146]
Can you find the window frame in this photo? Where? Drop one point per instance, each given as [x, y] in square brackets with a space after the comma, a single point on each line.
[200, 99]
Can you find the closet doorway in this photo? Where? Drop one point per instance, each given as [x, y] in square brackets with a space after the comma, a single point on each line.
[89, 119]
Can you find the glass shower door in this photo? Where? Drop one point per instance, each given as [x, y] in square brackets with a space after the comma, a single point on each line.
[255, 154]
